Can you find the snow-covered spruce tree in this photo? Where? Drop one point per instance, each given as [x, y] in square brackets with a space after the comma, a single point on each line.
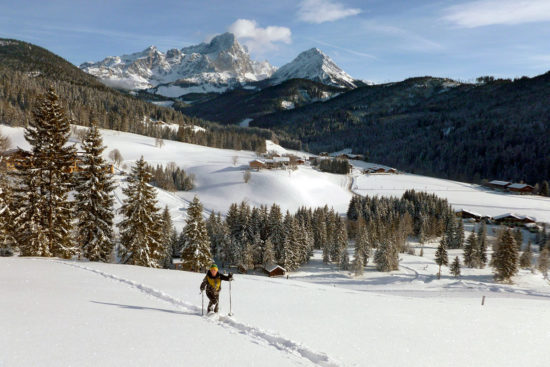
[196, 254]
[441, 257]
[482, 245]
[289, 253]
[459, 234]
[505, 258]
[358, 264]
[7, 216]
[455, 267]
[543, 262]
[277, 231]
[269, 254]
[94, 200]
[344, 262]
[140, 229]
[526, 258]
[45, 179]
[169, 233]
[386, 256]
[470, 250]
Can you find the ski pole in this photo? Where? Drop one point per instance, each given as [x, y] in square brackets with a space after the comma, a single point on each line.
[202, 308]
[230, 313]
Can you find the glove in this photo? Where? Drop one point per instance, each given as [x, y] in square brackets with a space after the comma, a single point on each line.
[230, 276]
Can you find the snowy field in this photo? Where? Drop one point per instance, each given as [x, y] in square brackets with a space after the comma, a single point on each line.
[460, 195]
[66, 313]
[63, 313]
[219, 182]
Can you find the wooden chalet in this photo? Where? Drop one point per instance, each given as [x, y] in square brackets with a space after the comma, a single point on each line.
[499, 185]
[274, 270]
[521, 188]
[11, 159]
[466, 214]
[514, 219]
[257, 164]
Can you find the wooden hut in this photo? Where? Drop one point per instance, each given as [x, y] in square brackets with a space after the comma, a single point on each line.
[274, 270]
[465, 214]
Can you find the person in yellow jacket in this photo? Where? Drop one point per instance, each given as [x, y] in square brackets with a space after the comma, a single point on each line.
[213, 284]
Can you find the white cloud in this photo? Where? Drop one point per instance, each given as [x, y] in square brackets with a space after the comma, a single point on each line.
[320, 11]
[490, 12]
[259, 39]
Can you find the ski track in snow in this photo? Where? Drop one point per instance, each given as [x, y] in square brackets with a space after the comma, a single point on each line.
[279, 342]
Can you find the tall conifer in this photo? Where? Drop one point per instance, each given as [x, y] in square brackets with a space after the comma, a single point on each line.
[140, 229]
[94, 200]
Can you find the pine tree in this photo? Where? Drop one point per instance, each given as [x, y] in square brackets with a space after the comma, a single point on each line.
[45, 215]
[362, 243]
[196, 254]
[470, 250]
[168, 231]
[459, 234]
[358, 265]
[526, 259]
[344, 262]
[269, 254]
[518, 237]
[386, 256]
[7, 216]
[277, 231]
[544, 262]
[441, 257]
[140, 228]
[455, 267]
[506, 257]
[94, 200]
[482, 245]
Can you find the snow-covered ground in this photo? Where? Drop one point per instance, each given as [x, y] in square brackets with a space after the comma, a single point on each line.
[460, 195]
[61, 313]
[65, 313]
[219, 182]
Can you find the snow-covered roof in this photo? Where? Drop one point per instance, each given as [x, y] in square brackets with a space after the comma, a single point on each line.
[519, 186]
[500, 183]
[513, 215]
[471, 213]
[281, 159]
[270, 268]
[258, 161]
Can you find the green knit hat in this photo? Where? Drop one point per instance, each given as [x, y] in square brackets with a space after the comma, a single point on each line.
[213, 266]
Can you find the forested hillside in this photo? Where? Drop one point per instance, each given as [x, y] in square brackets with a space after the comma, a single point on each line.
[493, 129]
[27, 71]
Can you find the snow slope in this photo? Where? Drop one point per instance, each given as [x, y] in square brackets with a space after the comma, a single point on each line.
[460, 195]
[90, 314]
[220, 183]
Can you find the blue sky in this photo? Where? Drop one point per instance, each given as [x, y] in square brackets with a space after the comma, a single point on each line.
[378, 40]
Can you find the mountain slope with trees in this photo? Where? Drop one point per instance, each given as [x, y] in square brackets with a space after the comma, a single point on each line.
[437, 127]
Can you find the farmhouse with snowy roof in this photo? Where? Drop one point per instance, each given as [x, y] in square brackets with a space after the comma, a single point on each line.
[521, 188]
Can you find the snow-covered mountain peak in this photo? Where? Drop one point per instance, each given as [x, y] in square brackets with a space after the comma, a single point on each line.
[315, 65]
[214, 66]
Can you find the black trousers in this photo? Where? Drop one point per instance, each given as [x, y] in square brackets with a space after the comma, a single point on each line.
[214, 298]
